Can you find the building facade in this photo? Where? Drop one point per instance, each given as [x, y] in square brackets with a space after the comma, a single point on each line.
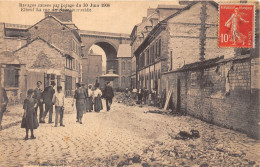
[124, 61]
[12, 77]
[180, 54]
[91, 67]
[51, 50]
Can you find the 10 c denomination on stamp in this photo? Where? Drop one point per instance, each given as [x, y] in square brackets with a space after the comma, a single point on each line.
[236, 25]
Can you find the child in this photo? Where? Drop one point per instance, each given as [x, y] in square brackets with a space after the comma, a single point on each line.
[29, 117]
[58, 100]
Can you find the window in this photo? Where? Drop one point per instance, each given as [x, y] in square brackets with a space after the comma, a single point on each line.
[123, 66]
[11, 77]
[171, 61]
[156, 49]
[152, 53]
[142, 60]
[159, 48]
[77, 65]
[75, 46]
[73, 64]
[97, 68]
[148, 56]
[69, 62]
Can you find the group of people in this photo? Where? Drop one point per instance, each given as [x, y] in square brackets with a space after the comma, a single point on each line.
[85, 99]
[36, 99]
[89, 99]
[146, 96]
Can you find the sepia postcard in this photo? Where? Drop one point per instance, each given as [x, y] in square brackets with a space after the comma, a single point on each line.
[148, 83]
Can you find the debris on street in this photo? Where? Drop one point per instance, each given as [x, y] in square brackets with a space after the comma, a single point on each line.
[125, 98]
[183, 135]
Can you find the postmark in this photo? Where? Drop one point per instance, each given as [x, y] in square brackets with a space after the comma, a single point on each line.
[236, 25]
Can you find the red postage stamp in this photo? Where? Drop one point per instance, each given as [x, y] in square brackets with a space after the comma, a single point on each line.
[236, 25]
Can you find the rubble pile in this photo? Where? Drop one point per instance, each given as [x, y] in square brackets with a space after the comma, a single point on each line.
[183, 135]
[125, 98]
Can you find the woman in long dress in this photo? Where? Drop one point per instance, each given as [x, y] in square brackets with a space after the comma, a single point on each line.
[80, 96]
[89, 105]
[97, 99]
[29, 121]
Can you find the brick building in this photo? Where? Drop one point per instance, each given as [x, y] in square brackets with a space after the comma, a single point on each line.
[64, 36]
[50, 49]
[124, 62]
[91, 68]
[12, 77]
[179, 52]
[148, 70]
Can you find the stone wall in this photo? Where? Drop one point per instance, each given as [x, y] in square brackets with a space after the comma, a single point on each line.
[220, 95]
[53, 32]
[32, 52]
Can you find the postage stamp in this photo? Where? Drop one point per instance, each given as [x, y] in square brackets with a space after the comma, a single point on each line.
[236, 25]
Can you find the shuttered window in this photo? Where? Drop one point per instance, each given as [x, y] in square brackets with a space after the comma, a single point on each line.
[11, 77]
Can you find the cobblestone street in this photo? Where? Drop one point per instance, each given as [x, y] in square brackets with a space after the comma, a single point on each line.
[127, 135]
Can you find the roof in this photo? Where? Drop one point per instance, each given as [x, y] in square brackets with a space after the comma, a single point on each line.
[170, 6]
[104, 34]
[188, 7]
[65, 24]
[55, 18]
[38, 38]
[16, 26]
[7, 57]
[198, 65]
[201, 64]
[124, 50]
[109, 76]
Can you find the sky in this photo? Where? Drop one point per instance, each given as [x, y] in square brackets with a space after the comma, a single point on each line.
[120, 17]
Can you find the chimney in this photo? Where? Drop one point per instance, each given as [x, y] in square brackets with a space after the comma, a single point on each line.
[150, 11]
[65, 15]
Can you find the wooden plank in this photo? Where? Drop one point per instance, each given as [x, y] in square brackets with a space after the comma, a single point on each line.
[167, 99]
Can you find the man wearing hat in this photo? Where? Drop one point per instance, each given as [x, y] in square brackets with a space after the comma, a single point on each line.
[47, 99]
[108, 95]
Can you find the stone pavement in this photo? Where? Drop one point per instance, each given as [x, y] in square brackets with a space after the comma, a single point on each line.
[127, 136]
[13, 116]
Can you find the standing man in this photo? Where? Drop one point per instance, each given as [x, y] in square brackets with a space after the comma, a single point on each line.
[80, 97]
[47, 99]
[108, 95]
[38, 96]
[58, 100]
[3, 101]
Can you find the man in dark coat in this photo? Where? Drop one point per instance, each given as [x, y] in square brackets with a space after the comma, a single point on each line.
[108, 95]
[38, 96]
[3, 101]
[47, 99]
